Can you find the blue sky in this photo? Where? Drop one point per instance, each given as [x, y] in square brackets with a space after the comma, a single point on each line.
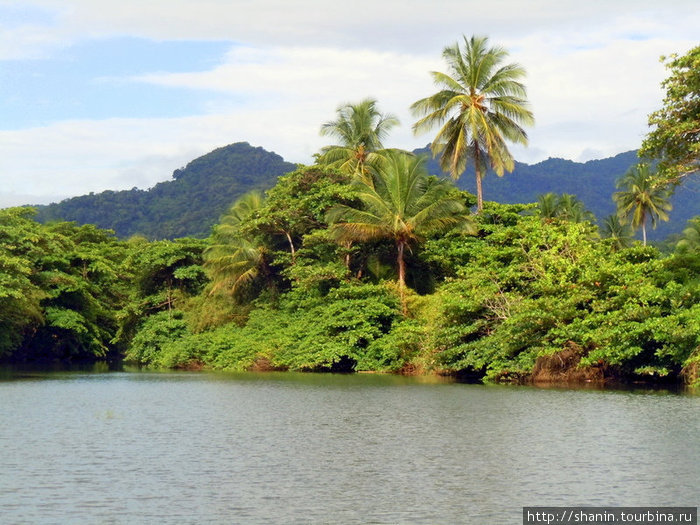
[91, 80]
[104, 94]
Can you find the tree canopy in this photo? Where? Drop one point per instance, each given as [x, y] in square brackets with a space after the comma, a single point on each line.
[642, 199]
[310, 267]
[402, 204]
[674, 139]
[361, 130]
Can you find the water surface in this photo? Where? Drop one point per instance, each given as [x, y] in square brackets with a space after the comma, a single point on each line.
[81, 447]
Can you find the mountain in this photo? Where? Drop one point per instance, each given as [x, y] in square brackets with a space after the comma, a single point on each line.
[192, 202]
[186, 206]
[593, 182]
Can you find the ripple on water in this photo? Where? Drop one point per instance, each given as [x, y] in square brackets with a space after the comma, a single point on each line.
[217, 448]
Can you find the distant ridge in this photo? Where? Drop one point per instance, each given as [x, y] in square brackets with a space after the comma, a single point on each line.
[186, 206]
[192, 202]
[593, 182]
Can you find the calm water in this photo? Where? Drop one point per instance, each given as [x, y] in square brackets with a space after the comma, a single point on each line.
[285, 448]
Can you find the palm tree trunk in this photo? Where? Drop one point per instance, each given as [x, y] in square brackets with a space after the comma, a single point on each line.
[644, 233]
[477, 170]
[402, 274]
[479, 194]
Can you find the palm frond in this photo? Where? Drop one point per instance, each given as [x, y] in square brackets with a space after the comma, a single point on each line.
[481, 105]
[361, 130]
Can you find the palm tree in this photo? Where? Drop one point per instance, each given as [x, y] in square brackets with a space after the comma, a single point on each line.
[234, 258]
[620, 234]
[481, 105]
[565, 206]
[402, 204]
[690, 239]
[571, 208]
[361, 130]
[547, 205]
[242, 210]
[642, 198]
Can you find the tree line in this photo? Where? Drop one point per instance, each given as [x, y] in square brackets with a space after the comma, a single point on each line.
[365, 261]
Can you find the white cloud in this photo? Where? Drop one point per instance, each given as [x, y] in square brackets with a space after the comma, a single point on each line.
[584, 97]
[408, 25]
[75, 157]
[593, 77]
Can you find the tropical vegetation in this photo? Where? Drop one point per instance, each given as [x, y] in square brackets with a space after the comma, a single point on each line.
[642, 199]
[382, 268]
[620, 234]
[565, 206]
[674, 140]
[403, 204]
[191, 204]
[361, 130]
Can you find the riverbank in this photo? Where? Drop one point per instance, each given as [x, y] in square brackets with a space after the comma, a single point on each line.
[556, 371]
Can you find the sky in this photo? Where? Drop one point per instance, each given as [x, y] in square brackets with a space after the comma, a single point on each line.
[115, 94]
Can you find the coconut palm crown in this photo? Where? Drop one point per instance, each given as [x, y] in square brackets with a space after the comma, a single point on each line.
[360, 130]
[621, 235]
[642, 198]
[481, 105]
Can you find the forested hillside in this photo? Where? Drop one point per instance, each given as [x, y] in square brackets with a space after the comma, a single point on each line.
[191, 203]
[593, 182]
[186, 206]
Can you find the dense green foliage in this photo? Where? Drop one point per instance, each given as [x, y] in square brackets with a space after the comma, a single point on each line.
[496, 303]
[401, 204]
[380, 267]
[674, 139]
[524, 288]
[187, 206]
[59, 288]
[536, 288]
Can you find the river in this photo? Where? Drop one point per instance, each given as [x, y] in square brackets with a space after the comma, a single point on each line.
[143, 447]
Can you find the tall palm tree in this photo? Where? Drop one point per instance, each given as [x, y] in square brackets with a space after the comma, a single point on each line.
[481, 105]
[642, 199]
[234, 258]
[402, 204]
[360, 130]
